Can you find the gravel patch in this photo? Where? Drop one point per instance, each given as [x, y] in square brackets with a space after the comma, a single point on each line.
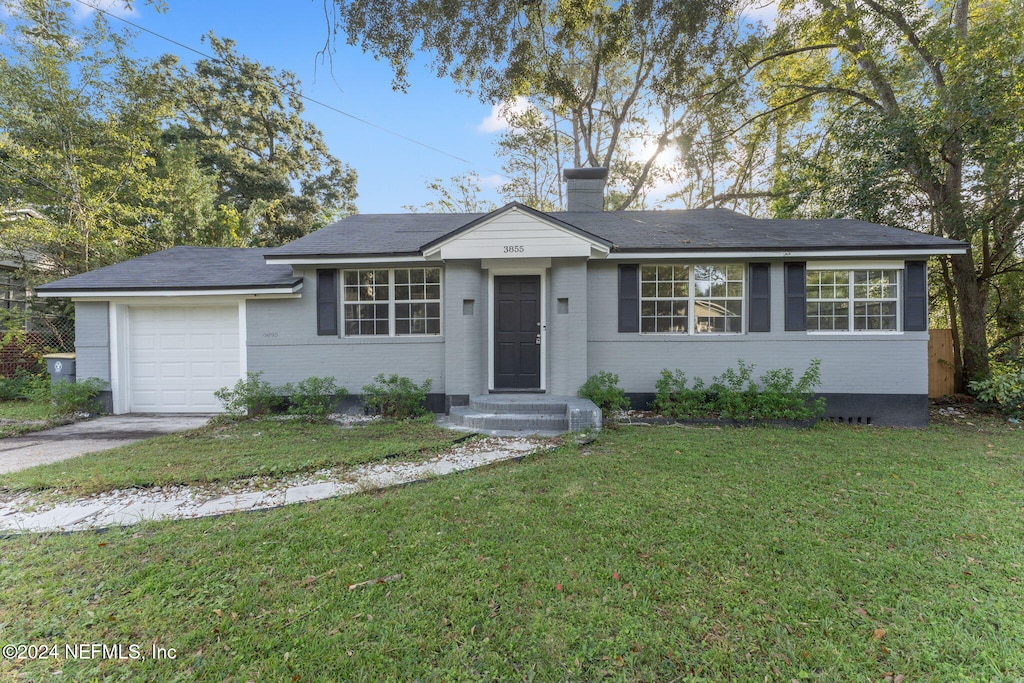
[32, 512]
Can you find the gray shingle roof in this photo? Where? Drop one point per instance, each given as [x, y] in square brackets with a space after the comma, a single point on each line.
[183, 268]
[701, 230]
[679, 230]
[377, 234]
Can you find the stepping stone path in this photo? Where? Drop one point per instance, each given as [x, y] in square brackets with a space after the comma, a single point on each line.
[29, 512]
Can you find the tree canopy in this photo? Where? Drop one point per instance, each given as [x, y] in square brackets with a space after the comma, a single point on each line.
[118, 156]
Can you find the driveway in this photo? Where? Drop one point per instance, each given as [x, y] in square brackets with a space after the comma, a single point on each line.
[98, 434]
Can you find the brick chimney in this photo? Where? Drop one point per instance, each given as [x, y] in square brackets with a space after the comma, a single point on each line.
[585, 191]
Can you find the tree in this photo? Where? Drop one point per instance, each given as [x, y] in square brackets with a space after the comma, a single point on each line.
[188, 212]
[77, 133]
[921, 108]
[460, 194]
[621, 78]
[533, 149]
[244, 122]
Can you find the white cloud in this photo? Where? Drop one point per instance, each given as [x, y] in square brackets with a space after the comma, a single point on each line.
[497, 120]
[764, 11]
[493, 181]
[84, 10]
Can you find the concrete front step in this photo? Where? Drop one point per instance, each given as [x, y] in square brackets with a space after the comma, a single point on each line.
[519, 413]
[468, 417]
[517, 404]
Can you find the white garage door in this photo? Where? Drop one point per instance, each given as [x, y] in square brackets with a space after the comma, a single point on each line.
[178, 356]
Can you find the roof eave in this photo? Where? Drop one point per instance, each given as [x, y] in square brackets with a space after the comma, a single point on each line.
[775, 252]
[221, 290]
[331, 259]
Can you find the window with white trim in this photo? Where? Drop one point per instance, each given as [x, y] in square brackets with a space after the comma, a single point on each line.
[417, 301]
[392, 301]
[697, 299]
[853, 300]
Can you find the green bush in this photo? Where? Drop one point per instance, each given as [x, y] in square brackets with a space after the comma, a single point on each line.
[251, 397]
[604, 390]
[782, 397]
[24, 386]
[1004, 388]
[735, 394]
[673, 399]
[395, 396]
[69, 398]
[313, 397]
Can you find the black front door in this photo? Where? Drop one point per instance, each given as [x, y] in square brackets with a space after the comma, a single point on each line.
[517, 332]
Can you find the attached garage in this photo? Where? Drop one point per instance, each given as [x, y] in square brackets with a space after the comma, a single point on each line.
[177, 356]
[167, 330]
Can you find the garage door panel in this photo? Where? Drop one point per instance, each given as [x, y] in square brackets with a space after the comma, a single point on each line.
[145, 342]
[172, 342]
[179, 356]
[205, 370]
[201, 342]
[173, 370]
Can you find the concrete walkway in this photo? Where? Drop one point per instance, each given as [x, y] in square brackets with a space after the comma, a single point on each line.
[88, 436]
[31, 513]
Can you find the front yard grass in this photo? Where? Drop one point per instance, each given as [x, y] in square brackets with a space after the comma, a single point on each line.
[652, 554]
[21, 417]
[222, 452]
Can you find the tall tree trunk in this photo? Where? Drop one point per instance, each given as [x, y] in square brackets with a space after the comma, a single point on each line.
[972, 304]
[954, 323]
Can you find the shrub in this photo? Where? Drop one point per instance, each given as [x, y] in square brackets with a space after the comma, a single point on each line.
[673, 399]
[1003, 388]
[24, 386]
[313, 397]
[783, 398]
[395, 396]
[251, 397]
[604, 390]
[69, 398]
[735, 394]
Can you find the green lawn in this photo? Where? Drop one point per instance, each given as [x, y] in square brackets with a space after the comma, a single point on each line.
[21, 417]
[652, 554]
[225, 451]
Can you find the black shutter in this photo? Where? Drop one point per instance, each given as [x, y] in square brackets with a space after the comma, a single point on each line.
[915, 296]
[796, 296]
[327, 302]
[759, 314]
[629, 298]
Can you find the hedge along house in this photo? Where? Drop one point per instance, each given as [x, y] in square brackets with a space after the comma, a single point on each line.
[518, 300]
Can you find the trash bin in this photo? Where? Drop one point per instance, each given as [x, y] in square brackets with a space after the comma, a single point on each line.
[61, 367]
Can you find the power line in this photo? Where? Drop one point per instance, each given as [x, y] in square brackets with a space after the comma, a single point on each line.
[296, 94]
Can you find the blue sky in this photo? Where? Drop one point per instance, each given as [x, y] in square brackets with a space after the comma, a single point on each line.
[287, 35]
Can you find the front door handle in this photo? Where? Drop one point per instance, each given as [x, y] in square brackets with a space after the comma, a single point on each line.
[538, 339]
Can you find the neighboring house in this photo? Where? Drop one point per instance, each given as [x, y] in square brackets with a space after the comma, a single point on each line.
[14, 291]
[520, 300]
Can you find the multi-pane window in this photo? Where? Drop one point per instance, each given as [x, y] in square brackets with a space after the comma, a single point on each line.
[664, 298]
[857, 300]
[691, 299]
[399, 301]
[418, 301]
[718, 298]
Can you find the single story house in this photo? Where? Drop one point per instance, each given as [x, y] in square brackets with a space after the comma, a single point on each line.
[519, 300]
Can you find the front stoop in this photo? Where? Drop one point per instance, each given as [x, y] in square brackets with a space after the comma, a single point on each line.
[511, 414]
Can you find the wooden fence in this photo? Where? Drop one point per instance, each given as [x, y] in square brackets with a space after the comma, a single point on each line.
[941, 378]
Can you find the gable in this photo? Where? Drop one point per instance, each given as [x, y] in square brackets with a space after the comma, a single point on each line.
[516, 232]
